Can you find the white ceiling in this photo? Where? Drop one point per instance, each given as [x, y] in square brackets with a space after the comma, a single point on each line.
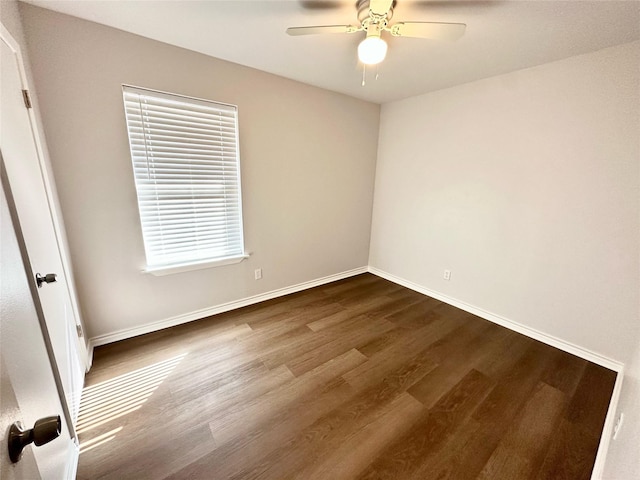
[501, 36]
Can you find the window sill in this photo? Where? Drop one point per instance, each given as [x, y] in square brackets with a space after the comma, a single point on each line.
[186, 267]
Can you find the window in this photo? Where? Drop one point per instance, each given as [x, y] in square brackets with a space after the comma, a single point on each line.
[187, 173]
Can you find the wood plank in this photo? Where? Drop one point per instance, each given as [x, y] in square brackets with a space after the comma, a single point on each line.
[476, 442]
[453, 353]
[262, 444]
[239, 419]
[311, 358]
[411, 450]
[157, 457]
[571, 455]
[198, 409]
[358, 449]
[591, 400]
[328, 432]
[566, 373]
[522, 449]
[401, 352]
[310, 340]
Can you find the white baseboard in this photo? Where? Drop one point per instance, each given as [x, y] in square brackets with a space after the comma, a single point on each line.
[72, 462]
[90, 346]
[225, 307]
[510, 324]
[607, 429]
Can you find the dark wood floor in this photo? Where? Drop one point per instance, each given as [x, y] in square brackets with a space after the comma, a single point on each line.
[358, 379]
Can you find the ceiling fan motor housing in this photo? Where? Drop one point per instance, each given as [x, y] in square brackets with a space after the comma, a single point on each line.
[363, 10]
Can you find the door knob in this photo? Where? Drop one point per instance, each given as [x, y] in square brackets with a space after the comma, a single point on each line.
[48, 278]
[43, 431]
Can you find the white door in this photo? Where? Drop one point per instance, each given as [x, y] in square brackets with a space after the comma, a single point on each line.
[29, 181]
[28, 390]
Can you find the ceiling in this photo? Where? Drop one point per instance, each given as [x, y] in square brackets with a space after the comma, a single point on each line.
[501, 36]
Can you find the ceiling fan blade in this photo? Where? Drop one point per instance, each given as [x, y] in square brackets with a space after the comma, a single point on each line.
[380, 7]
[316, 30]
[320, 4]
[432, 30]
[415, 4]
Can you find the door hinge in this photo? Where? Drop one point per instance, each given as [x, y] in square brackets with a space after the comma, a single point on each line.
[27, 98]
[79, 331]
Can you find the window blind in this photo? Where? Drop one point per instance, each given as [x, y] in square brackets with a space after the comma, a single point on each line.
[186, 169]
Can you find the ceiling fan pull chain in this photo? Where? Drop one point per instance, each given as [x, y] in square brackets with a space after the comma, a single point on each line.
[364, 71]
[377, 72]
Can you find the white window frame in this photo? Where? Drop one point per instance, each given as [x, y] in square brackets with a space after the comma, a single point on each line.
[176, 167]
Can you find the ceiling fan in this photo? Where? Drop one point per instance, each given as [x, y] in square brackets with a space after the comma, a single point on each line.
[374, 17]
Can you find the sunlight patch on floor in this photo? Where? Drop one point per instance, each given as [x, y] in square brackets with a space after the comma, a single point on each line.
[114, 398]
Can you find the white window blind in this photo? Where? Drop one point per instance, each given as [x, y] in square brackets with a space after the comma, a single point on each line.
[187, 174]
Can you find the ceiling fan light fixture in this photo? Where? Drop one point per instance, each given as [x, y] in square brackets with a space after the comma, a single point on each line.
[372, 50]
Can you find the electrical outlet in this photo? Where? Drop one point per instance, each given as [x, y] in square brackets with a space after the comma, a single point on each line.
[616, 429]
[258, 273]
[447, 274]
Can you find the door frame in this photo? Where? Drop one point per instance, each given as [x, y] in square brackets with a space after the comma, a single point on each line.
[46, 176]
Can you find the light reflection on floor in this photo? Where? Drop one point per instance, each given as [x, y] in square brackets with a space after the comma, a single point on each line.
[106, 401]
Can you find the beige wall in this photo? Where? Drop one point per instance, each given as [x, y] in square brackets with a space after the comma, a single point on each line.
[307, 157]
[526, 187]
